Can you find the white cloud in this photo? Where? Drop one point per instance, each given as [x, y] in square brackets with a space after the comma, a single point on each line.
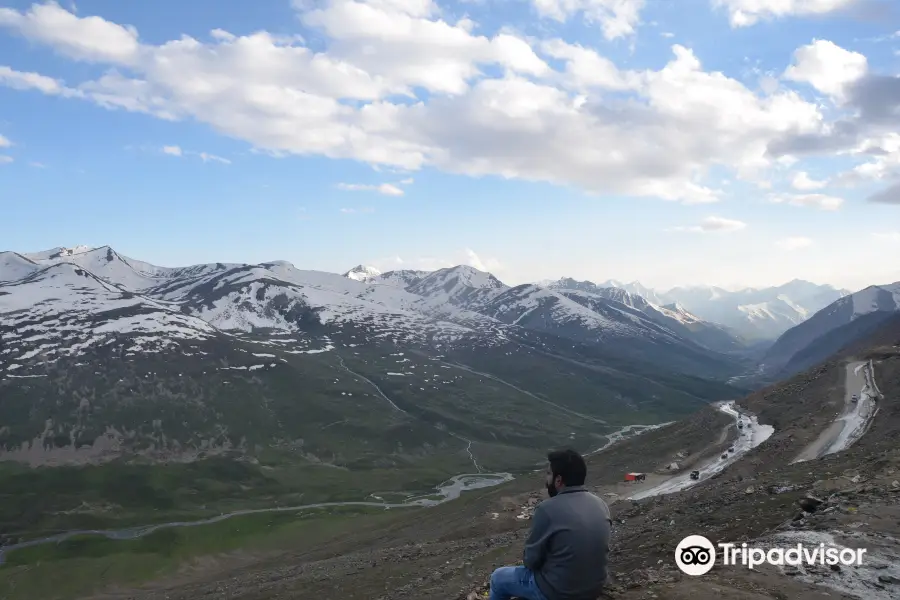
[820, 201]
[804, 183]
[617, 18]
[89, 38]
[5, 159]
[794, 243]
[407, 181]
[413, 49]
[586, 69]
[888, 236]
[466, 257]
[827, 67]
[489, 265]
[19, 80]
[884, 166]
[385, 189]
[353, 211]
[889, 195]
[743, 13]
[213, 158]
[37, 165]
[396, 86]
[415, 264]
[714, 224]
[204, 156]
[786, 160]
[4, 142]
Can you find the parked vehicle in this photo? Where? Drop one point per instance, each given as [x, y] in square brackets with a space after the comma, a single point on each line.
[695, 474]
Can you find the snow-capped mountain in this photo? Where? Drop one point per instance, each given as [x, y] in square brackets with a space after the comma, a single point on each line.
[102, 354]
[753, 314]
[362, 273]
[635, 288]
[673, 317]
[63, 310]
[402, 278]
[832, 329]
[56, 253]
[112, 353]
[758, 313]
[14, 266]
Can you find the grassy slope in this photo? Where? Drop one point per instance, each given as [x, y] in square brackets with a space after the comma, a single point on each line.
[85, 564]
[316, 433]
[95, 562]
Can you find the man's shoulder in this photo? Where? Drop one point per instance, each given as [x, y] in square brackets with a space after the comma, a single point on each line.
[592, 502]
[600, 501]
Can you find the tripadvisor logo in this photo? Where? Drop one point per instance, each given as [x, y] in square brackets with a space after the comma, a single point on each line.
[696, 555]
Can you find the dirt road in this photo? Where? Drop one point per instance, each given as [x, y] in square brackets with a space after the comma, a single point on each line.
[749, 438]
[853, 419]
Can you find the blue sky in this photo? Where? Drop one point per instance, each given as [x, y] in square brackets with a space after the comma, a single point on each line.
[534, 138]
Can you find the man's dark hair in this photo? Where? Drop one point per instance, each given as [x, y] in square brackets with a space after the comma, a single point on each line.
[569, 465]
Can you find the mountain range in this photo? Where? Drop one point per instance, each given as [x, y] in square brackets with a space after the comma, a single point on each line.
[752, 314]
[103, 355]
[830, 330]
[172, 395]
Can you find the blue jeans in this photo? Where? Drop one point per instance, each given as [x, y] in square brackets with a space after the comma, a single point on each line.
[514, 582]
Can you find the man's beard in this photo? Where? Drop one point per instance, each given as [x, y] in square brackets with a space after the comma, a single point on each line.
[551, 490]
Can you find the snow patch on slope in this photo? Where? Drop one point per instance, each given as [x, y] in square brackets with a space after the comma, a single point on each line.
[64, 310]
[15, 266]
[867, 301]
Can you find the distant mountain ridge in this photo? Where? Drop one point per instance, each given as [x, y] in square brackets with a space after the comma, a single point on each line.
[833, 328]
[104, 354]
[753, 314]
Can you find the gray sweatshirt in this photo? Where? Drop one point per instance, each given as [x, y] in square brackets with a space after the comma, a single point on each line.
[568, 545]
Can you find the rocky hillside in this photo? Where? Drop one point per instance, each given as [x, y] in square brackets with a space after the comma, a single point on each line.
[851, 498]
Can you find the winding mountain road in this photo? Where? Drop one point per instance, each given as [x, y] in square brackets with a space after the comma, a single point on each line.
[854, 418]
[370, 382]
[752, 435]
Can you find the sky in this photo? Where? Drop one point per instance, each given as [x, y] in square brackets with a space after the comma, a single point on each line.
[674, 142]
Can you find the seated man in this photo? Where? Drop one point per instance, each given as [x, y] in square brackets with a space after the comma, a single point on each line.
[566, 551]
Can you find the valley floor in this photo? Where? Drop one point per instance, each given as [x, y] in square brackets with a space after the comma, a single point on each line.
[448, 551]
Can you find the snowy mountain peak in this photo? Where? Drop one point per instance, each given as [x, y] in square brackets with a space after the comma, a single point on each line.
[402, 278]
[53, 254]
[611, 283]
[676, 307]
[279, 263]
[875, 298]
[362, 273]
[14, 266]
[73, 251]
[467, 276]
[459, 286]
